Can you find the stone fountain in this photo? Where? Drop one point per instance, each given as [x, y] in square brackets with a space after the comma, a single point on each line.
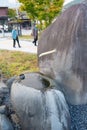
[56, 97]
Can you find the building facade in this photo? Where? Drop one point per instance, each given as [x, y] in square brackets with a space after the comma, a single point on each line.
[3, 17]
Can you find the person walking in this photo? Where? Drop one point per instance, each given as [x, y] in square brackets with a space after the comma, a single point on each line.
[35, 35]
[15, 37]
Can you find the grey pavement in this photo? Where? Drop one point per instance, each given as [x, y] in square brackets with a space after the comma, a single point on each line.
[6, 43]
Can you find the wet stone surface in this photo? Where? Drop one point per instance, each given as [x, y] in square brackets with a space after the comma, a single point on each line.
[78, 115]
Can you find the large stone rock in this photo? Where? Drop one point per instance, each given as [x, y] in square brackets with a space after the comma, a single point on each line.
[62, 53]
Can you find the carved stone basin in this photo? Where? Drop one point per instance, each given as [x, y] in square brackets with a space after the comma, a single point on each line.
[39, 107]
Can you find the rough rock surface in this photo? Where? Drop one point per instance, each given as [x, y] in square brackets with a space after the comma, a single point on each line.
[8, 117]
[62, 53]
[78, 115]
[5, 123]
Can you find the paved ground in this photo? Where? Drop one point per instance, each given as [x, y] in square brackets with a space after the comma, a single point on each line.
[26, 45]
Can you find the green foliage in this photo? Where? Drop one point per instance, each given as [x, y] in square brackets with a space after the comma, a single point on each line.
[11, 13]
[15, 63]
[42, 10]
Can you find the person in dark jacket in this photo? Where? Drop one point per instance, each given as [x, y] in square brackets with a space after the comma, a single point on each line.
[35, 35]
[15, 37]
